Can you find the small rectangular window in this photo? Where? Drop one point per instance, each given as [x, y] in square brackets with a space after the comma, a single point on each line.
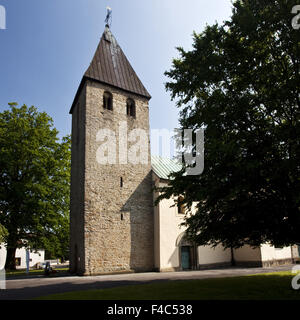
[121, 182]
[180, 205]
[131, 108]
[107, 101]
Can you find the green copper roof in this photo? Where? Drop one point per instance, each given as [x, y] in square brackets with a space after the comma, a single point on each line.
[164, 166]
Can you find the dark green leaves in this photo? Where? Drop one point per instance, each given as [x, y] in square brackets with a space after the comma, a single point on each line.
[241, 81]
[34, 180]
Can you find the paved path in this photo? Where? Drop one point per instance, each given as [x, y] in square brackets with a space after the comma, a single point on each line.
[22, 289]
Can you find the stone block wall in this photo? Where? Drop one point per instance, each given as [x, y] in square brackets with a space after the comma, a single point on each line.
[77, 251]
[117, 220]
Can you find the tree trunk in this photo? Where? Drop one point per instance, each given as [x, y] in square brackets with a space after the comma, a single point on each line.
[10, 258]
[232, 258]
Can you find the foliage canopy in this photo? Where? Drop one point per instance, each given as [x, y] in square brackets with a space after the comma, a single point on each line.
[241, 82]
[34, 182]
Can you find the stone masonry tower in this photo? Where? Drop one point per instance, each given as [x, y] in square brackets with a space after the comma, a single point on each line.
[111, 211]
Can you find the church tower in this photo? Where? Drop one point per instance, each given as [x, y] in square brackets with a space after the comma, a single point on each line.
[111, 210]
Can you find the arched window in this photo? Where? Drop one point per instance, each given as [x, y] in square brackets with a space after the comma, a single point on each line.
[180, 205]
[130, 108]
[107, 100]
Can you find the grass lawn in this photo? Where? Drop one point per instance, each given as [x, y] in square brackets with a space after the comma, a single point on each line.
[15, 273]
[270, 286]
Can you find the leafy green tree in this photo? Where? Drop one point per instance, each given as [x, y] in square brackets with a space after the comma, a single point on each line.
[34, 182]
[3, 234]
[241, 82]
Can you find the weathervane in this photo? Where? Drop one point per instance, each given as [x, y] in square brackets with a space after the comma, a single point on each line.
[108, 19]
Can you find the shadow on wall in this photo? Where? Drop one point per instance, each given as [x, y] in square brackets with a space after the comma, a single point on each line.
[174, 260]
[138, 211]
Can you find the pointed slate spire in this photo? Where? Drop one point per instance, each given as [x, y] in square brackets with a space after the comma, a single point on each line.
[110, 66]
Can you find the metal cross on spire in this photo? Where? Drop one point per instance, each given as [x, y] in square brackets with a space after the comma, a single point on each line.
[108, 19]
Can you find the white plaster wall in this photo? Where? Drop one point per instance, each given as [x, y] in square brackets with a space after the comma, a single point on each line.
[36, 257]
[271, 253]
[284, 253]
[156, 225]
[170, 229]
[2, 256]
[167, 230]
[210, 255]
[295, 251]
[246, 253]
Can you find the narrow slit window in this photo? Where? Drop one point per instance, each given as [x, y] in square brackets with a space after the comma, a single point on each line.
[121, 182]
[131, 108]
[107, 101]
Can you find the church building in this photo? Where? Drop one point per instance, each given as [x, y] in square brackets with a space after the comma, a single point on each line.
[114, 224]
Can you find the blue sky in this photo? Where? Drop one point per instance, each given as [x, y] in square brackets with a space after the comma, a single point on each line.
[48, 45]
